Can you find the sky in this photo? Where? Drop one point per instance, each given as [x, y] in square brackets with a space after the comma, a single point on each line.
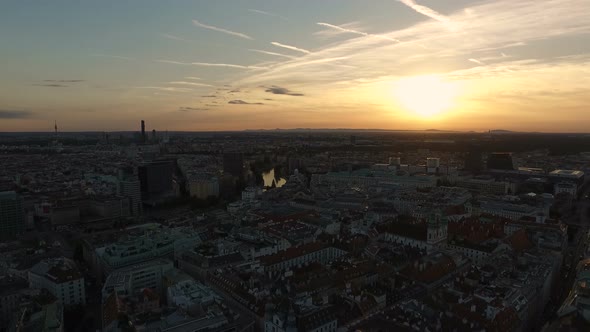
[200, 65]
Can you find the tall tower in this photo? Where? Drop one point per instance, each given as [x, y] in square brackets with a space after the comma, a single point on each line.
[130, 187]
[12, 216]
[143, 131]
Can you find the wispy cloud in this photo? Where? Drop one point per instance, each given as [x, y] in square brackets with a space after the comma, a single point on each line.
[241, 102]
[228, 65]
[277, 90]
[352, 31]
[272, 53]
[174, 62]
[169, 36]
[425, 10]
[209, 64]
[113, 56]
[65, 81]
[267, 13]
[475, 61]
[485, 30]
[15, 114]
[165, 88]
[214, 28]
[289, 47]
[191, 84]
[52, 85]
[188, 109]
[193, 78]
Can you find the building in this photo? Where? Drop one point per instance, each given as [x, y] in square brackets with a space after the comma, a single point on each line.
[432, 164]
[38, 316]
[203, 187]
[61, 277]
[12, 291]
[295, 256]
[132, 279]
[12, 216]
[189, 294]
[567, 188]
[143, 138]
[155, 178]
[485, 185]
[563, 175]
[150, 245]
[129, 186]
[251, 193]
[423, 235]
[233, 164]
[500, 161]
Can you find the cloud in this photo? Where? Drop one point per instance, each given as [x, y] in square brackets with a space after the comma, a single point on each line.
[272, 53]
[192, 78]
[208, 64]
[282, 91]
[425, 11]
[174, 62]
[168, 36]
[191, 84]
[15, 114]
[229, 32]
[228, 65]
[209, 96]
[241, 102]
[483, 31]
[267, 13]
[165, 88]
[52, 85]
[289, 47]
[476, 61]
[64, 81]
[113, 57]
[187, 109]
[352, 31]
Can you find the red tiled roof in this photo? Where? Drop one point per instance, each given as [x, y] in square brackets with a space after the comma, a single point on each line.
[519, 241]
[292, 252]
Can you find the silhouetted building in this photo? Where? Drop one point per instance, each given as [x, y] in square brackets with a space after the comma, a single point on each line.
[233, 163]
[12, 216]
[154, 137]
[352, 139]
[474, 162]
[143, 131]
[155, 178]
[130, 187]
[502, 161]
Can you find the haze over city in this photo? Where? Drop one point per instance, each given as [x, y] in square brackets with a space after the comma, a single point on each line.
[233, 65]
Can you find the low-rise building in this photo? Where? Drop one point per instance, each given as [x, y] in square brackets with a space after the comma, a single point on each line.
[61, 278]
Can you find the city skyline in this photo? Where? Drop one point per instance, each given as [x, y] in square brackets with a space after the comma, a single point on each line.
[225, 65]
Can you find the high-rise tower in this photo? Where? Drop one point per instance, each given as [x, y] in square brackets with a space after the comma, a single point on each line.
[143, 131]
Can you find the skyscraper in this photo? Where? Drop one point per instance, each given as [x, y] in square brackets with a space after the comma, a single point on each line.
[155, 178]
[130, 187]
[142, 131]
[12, 216]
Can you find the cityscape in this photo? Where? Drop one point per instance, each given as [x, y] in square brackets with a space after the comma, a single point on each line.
[294, 166]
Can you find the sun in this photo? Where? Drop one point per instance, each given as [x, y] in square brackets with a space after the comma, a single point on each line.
[425, 96]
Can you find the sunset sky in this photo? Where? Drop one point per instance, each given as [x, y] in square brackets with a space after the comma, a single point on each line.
[249, 64]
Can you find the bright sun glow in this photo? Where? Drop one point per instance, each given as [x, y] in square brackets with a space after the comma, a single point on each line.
[425, 96]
